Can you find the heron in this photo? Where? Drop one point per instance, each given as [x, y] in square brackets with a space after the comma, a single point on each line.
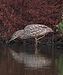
[37, 31]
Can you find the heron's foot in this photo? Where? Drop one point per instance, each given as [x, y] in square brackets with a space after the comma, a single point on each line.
[36, 52]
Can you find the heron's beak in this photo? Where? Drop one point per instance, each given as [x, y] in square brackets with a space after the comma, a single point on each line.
[7, 42]
[11, 39]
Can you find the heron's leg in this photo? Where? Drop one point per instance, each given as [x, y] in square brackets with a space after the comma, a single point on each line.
[41, 37]
[36, 42]
[24, 43]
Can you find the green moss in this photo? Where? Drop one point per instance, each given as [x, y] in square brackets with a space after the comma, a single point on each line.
[60, 26]
[59, 63]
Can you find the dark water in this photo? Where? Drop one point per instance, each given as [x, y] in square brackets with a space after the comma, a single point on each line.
[45, 47]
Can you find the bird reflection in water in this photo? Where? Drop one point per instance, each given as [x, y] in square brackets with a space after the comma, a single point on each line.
[31, 57]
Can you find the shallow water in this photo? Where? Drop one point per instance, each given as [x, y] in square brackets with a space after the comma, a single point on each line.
[25, 52]
[31, 60]
[11, 67]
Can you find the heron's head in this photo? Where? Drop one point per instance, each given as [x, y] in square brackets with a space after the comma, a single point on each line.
[17, 34]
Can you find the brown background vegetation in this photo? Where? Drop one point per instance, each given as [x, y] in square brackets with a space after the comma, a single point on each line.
[16, 14]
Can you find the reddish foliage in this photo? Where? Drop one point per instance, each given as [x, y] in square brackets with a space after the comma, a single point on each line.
[16, 14]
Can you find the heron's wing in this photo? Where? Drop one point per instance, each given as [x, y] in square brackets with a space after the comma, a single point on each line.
[36, 30]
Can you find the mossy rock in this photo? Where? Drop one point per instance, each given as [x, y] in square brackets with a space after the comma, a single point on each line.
[60, 26]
